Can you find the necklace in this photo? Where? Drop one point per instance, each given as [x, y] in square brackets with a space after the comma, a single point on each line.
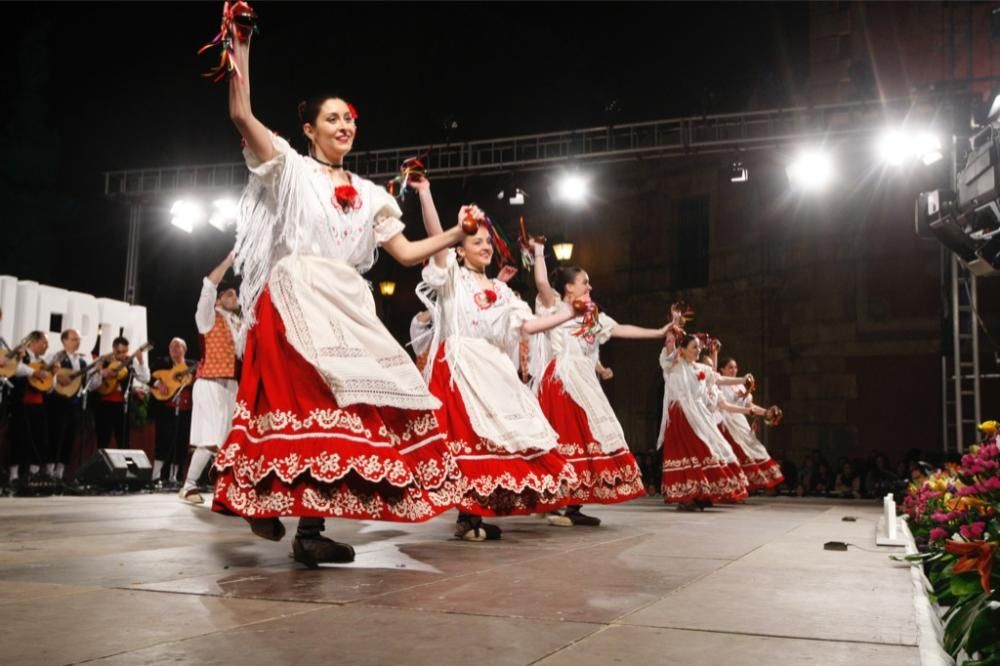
[327, 164]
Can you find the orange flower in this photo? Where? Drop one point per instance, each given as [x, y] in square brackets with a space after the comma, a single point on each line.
[977, 555]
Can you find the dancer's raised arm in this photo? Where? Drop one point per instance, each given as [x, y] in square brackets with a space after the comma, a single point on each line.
[256, 135]
[546, 294]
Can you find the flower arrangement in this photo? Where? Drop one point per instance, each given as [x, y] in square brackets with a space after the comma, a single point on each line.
[954, 515]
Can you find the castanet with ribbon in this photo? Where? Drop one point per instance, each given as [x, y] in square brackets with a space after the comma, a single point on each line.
[237, 17]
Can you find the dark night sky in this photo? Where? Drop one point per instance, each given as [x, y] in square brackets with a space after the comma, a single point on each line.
[97, 86]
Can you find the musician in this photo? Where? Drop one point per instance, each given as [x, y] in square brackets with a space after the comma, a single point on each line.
[214, 394]
[31, 433]
[65, 412]
[111, 417]
[173, 415]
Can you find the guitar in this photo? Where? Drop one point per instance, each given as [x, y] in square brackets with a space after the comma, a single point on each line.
[43, 385]
[76, 377]
[8, 359]
[120, 369]
[172, 380]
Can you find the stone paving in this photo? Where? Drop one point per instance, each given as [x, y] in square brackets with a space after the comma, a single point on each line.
[145, 579]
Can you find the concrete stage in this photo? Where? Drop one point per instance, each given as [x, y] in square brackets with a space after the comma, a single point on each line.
[145, 579]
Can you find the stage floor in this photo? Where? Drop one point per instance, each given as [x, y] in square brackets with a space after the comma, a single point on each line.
[145, 579]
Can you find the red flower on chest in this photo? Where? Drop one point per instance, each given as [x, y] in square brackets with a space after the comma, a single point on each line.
[485, 298]
[701, 376]
[345, 197]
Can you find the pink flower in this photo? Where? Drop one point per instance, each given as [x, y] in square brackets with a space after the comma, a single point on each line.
[939, 517]
[974, 531]
[938, 534]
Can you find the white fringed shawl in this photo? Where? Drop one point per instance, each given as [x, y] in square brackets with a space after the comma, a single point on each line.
[292, 237]
[576, 361]
[482, 347]
[695, 396]
[286, 209]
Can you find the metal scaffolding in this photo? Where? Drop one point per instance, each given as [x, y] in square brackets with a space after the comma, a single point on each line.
[659, 138]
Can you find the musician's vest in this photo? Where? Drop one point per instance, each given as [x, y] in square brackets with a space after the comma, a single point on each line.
[218, 352]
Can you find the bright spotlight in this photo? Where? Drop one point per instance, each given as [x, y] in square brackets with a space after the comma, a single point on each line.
[186, 214]
[898, 146]
[572, 188]
[812, 170]
[223, 214]
[895, 147]
[929, 148]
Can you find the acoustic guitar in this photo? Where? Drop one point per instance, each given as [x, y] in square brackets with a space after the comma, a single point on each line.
[120, 369]
[172, 380]
[76, 377]
[9, 358]
[43, 385]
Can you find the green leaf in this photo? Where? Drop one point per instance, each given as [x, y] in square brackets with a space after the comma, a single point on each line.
[962, 615]
[992, 660]
[985, 629]
[966, 584]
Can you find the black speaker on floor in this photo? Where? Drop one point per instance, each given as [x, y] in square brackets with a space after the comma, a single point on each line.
[114, 467]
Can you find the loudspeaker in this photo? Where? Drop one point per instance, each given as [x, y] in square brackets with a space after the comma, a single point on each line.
[111, 467]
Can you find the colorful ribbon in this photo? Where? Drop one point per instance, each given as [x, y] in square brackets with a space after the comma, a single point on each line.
[238, 16]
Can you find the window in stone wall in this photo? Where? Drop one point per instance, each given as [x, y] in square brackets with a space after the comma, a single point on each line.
[689, 268]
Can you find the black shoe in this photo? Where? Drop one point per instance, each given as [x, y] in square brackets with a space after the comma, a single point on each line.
[313, 551]
[472, 528]
[267, 528]
[573, 513]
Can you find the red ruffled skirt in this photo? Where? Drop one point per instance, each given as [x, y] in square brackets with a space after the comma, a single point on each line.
[293, 451]
[605, 478]
[691, 471]
[761, 474]
[497, 482]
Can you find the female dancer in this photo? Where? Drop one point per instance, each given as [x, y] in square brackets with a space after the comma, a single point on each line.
[570, 394]
[332, 417]
[501, 441]
[761, 471]
[699, 467]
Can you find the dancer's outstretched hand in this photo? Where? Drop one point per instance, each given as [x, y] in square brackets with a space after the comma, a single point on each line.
[507, 273]
[469, 218]
[418, 183]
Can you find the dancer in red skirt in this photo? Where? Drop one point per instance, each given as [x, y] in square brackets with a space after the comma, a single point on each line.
[332, 418]
[699, 467]
[761, 470]
[501, 441]
[590, 436]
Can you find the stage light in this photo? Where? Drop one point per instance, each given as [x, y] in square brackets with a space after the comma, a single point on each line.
[929, 148]
[895, 147]
[812, 170]
[572, 188]
[223, 214]
[738, 173]
[387, 288]
[516, 196]
[185, 215]
[563, 251]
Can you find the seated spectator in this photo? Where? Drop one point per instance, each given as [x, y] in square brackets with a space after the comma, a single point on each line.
[806, 476]
[847, 482]
[822, 481]
[880, 480]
